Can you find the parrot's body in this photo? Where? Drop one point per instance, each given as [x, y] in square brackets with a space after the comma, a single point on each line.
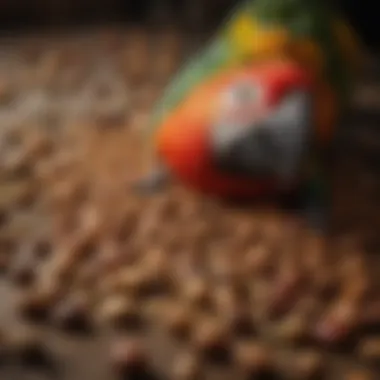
[253, 111]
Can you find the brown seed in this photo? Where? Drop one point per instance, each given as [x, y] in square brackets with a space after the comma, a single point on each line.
[253, 359]
[4, 263]
[8, 244]
[156, 279]
[286, 293]
[120, 312]
[129, 280]
[338, 324]
[178, 320]
[197, 293]
[211, 338]
[369, 350]
[257, 260]
[129, 357]
[359, 374]
[294, 329]
[240, 320]
[18, 167]
[4, 348]
[4, 217]
[38, 145]
[42, 248]
[224, 298]
[187, 367]
[36, 305]
[27, 345]
[22, 273]
[23, 276]
[73, 313]
[27, 197]
[7, 92]
[369, 316]
[309, 366]
[136, 64]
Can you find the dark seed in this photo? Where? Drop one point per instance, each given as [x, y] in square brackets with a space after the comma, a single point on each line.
[359, 374]
[4, 217]
[35, 306]
[241, 322]
[187, 367]
[121, 313]
[211, 339]
[28, 347]
[4, 263]
[254, 360]
[369, 350]
[23, 276]
[42, 249]
[129, 359]
[309, 366]
[72, 314]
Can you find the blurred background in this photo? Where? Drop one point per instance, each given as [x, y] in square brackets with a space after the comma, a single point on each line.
[194, 15]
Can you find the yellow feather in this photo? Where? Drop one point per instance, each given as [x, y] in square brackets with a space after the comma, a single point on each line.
[250, 40]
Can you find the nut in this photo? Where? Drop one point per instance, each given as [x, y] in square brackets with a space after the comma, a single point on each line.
[295, 329]
[253, 359]
[309, 366]
[23, 275]
[120, 312]
[286, 293]
[197, 293]
[212, 339]
[73, 313]
[258, 261]
[42, 248]
[129, 357]
[240, 320]
[3, 349]
[4, 263]
[369, 350]
[178, 320]
[27, 345]
[187, 367]
[338, 324]
[35, 305]
[359, 374]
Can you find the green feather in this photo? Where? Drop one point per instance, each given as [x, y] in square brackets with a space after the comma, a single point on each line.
[208, 62]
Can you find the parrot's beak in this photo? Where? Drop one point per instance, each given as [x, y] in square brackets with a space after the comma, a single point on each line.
[269, 147]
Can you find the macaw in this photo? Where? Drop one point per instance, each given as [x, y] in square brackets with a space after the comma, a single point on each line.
[271, 86]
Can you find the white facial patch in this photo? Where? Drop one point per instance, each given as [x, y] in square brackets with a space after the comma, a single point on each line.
[239, 107]
[272, 145]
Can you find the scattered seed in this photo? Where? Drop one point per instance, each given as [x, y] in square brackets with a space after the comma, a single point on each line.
[73, 313]
[187, 367]
[359, 374]
[254, 360]
[27, 345]
[120, 312]
[129, 358]
[309, 366]
[212, 340]
[369, 350]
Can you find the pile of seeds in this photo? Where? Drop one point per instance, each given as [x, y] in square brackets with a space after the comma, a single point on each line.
[213, 283]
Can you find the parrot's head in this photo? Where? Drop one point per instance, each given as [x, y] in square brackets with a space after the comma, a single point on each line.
[241, 130]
